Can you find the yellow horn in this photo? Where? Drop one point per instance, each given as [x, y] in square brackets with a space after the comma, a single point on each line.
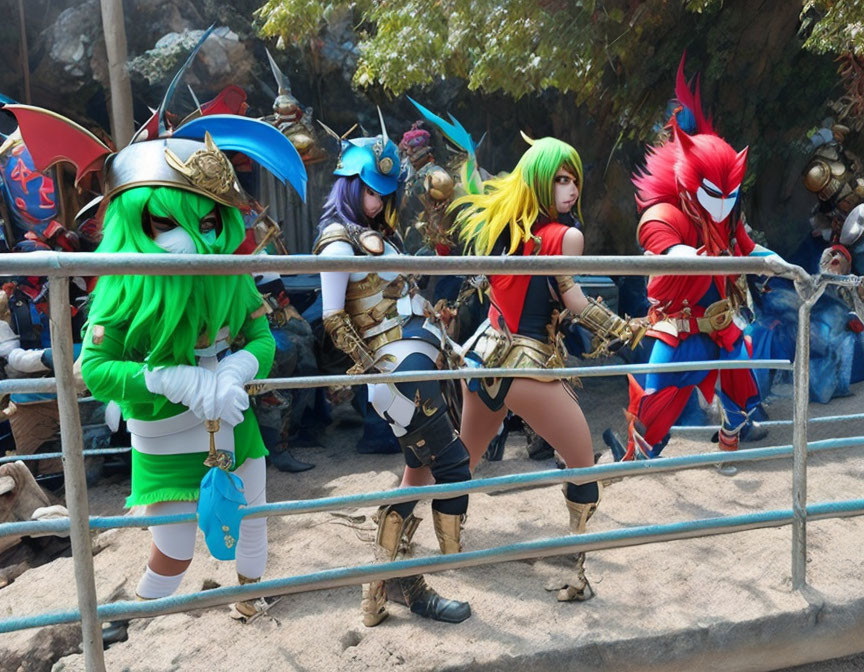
[526, 138]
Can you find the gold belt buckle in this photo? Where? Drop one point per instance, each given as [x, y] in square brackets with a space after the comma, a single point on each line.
[719, 314]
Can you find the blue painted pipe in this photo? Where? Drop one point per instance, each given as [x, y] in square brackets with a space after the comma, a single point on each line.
[498, 483]
[347, 576]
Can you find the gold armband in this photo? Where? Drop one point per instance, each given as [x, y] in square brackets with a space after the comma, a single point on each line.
[565, 283]
[345, 337]
[611, 332]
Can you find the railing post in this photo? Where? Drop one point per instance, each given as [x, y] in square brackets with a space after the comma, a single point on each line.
[799, 437]
[73, 472]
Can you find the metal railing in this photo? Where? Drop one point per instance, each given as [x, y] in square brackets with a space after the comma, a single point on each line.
[60, 266]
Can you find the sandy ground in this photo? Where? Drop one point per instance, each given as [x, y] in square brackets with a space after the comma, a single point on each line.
[641, 592]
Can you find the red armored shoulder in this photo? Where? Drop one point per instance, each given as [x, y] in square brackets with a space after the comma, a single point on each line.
[662, 226]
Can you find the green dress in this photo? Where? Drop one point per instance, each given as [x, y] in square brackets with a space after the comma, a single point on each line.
[160, 478]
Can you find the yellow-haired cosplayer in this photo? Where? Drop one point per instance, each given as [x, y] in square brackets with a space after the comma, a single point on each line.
[530, 212]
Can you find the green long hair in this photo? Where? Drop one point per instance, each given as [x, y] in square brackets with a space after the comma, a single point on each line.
[163, 317]
[515, 201]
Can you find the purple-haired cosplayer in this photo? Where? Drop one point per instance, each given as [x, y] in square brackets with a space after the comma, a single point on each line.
[379, 320]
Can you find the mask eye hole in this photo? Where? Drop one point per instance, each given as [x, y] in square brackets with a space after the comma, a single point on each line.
[209, 222]
[711, 190]
[161, 224]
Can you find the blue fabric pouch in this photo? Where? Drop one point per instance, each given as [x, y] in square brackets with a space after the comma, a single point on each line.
[220, 510]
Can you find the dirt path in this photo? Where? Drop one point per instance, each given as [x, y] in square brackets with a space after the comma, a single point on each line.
[641, 591]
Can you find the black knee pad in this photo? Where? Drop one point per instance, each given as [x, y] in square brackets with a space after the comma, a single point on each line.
[451, 465]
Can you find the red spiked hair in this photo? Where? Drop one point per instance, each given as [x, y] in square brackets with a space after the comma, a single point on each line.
[682, 163]
[692, 99]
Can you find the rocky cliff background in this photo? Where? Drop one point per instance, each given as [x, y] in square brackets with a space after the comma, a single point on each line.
[765, 92]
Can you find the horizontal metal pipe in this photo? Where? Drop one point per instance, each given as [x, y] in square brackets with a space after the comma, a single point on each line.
[89, 263]
[302, 382]
[27, 385]
[349, 576]
[51, 456]
[534, 479]
[769, 423]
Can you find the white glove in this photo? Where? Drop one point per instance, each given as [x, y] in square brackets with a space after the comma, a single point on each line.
[682, 251]
[233, 372]
[192, 386]
[113, 415]
[27, 361]
[50, 513]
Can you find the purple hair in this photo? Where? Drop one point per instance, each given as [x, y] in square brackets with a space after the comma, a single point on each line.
[345, 203]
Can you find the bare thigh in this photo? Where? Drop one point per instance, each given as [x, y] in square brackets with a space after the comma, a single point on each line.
[479, 424]
[551, 409]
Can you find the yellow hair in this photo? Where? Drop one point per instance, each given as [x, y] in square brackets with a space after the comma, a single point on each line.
[515, 201]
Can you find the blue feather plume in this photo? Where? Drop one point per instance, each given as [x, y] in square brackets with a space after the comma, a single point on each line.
[454, 132]
[256, 139]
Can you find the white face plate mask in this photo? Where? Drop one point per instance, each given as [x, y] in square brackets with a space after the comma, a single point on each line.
[710, 197]
[176, 240]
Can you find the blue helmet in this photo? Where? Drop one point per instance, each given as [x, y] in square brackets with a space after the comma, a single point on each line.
[375, 160]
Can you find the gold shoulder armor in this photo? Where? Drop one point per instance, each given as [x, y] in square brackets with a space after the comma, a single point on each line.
[371, 242]
[335, 231]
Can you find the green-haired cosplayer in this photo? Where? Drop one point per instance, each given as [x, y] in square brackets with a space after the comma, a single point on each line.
[165, 357]
[175, 352]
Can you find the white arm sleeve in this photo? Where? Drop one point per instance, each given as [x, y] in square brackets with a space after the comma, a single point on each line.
[27, 361]
[334, 285]
[8, 340]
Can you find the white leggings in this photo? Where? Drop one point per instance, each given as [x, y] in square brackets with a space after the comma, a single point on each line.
[177, 540]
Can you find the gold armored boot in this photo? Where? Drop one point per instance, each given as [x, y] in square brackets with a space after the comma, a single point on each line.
[393, 539]
[448, 529]
[248, 610]
[577, 588]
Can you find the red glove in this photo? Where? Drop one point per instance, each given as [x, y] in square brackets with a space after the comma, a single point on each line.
[854, 324]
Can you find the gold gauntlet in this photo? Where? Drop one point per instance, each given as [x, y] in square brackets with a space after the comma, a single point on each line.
[610, 331]
[348, 340]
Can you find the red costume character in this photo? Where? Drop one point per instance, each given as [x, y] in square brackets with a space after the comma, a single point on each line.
[689, 193]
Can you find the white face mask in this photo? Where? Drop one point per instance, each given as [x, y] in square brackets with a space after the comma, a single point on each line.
[711, 198]
[176, 240]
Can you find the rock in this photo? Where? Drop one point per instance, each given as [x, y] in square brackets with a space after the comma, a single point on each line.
[71, 42]
[159, 17]
[36, 650]
[21, 499]
[223, 60]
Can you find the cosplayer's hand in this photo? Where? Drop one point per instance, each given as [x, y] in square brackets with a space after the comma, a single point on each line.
[233, 372]
[192, 386]
[27, 361]
[231, 401]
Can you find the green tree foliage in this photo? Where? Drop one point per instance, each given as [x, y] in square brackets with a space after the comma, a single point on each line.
[612, 57]
[836, 26]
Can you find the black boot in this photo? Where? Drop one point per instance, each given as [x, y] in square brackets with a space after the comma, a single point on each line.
[285, 461]
[415, 593]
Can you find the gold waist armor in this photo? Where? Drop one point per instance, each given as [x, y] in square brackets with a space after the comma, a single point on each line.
[514, 351]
